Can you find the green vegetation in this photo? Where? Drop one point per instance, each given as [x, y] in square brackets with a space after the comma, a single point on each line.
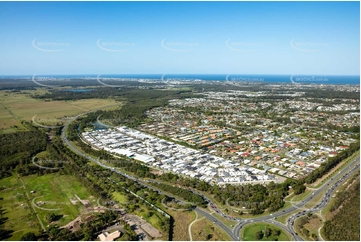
[345, 225]
[54, 188]
[137, 101]
[255, 197]
[17, 217]
[28, 237]
[19, 148]
[181, 192]
[55, 192]
[263, 232]
[205, 230]
[307, 226]
[181, 223]
[88, 230]
[332, 162]
[17, 107]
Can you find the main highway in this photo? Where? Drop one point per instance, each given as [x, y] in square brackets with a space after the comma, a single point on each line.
[327, 188]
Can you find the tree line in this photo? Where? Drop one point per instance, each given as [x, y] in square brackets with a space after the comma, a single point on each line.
[19, 148]
[331, 163]
[345, 225]
[181, 192]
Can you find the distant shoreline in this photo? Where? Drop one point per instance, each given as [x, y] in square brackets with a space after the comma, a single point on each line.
[247, 78]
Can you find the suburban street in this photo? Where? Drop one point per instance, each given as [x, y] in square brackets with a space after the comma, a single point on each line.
[74, 149]
[328, 187]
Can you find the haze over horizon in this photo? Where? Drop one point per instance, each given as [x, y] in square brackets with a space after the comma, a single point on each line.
[260, 38]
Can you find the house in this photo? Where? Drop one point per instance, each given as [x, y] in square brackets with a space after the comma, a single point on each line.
[332, 153]
[105, 236]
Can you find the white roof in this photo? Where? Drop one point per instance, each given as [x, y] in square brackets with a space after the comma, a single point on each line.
[123, 152]
[144, 158]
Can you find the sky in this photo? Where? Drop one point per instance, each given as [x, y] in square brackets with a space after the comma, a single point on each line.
[180, 38]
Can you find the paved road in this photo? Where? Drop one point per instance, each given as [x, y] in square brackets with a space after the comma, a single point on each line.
[329, 187]
[234, 234]
[75, 150]
[216, 221]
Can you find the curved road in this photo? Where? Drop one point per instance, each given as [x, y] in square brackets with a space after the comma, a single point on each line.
[235, 233]
[329, 187]
[75, 150]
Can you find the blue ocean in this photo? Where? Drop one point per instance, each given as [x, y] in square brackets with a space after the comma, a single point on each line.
[301, 79]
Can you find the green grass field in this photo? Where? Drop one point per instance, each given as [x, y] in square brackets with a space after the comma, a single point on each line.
[120, 197]
[248, 233]
[15, 107]
[54, 189]
[20, 217]
[9, 123]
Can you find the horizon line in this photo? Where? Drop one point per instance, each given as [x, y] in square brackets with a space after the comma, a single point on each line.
[180, 74]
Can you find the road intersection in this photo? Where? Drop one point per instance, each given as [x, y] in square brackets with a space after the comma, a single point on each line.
[328, 188]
